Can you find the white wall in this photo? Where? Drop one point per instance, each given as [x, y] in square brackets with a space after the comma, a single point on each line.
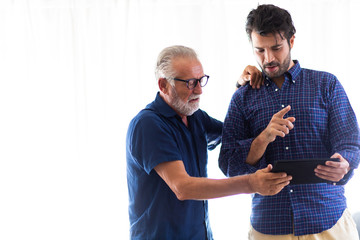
[73, 73]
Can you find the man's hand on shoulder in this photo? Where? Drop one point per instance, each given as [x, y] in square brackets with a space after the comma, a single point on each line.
[251, 75]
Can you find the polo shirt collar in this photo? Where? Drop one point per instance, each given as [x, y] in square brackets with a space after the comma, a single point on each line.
[160, 106]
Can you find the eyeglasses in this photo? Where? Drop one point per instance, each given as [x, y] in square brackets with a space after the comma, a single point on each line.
[191, 83]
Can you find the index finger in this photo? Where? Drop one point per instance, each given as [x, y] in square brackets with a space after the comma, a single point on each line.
[257, 81]
[283, 111]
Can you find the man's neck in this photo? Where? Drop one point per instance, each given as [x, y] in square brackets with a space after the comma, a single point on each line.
[279, 81]
[183, 117]
[185, 120]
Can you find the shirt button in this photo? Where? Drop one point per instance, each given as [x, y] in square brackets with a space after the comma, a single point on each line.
[283, 105]
[276, 90]
[287, 148]
[291, 190]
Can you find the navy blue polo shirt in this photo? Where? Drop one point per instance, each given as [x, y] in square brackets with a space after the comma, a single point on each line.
[158, 135]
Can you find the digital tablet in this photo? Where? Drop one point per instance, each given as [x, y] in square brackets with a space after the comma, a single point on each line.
[302, 170]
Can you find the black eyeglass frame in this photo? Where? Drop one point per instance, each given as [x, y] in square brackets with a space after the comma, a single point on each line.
[194, 79]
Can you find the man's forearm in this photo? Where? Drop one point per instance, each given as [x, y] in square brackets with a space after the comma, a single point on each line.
[257, 150]
[204, 188]
[262, 181]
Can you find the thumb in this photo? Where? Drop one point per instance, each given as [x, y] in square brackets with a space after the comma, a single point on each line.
[268, 168]
[244, 78]
[336, 155]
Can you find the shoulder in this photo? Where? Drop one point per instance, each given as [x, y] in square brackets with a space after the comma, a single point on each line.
[325, 82]
[320, 77]
[144, 117]
[246, 96]
[148, 122]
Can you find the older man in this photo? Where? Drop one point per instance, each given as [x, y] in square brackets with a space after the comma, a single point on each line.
[166, 150]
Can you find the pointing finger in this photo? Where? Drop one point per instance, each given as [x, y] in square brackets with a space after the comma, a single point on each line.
[283, 111]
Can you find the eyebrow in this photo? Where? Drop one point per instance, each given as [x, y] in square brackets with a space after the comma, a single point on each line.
[277, 45]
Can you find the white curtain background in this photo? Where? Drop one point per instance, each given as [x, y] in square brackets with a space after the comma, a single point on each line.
[74, 72]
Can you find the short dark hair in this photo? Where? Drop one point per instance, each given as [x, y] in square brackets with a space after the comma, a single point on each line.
[267, 19]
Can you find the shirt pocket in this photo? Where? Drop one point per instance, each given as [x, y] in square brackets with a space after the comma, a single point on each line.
[311, 121]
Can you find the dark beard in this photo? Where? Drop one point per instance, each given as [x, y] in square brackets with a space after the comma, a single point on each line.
[283, 67]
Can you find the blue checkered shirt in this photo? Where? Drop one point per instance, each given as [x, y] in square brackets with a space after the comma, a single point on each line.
[325, 124]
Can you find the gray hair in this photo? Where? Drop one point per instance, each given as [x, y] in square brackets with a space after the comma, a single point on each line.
[164, 68]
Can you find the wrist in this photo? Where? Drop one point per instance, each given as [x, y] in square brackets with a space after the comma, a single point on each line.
[261, 139]
[249, 183]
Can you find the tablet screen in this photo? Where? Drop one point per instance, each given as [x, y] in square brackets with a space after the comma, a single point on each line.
[302, 170]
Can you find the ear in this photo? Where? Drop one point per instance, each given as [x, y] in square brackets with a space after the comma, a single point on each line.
[163, 85]
[292, 41]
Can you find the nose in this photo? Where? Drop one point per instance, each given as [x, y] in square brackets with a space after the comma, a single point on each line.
[269, 56]
[197, 89]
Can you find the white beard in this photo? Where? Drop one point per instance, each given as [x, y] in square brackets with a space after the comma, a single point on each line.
[184, 108]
